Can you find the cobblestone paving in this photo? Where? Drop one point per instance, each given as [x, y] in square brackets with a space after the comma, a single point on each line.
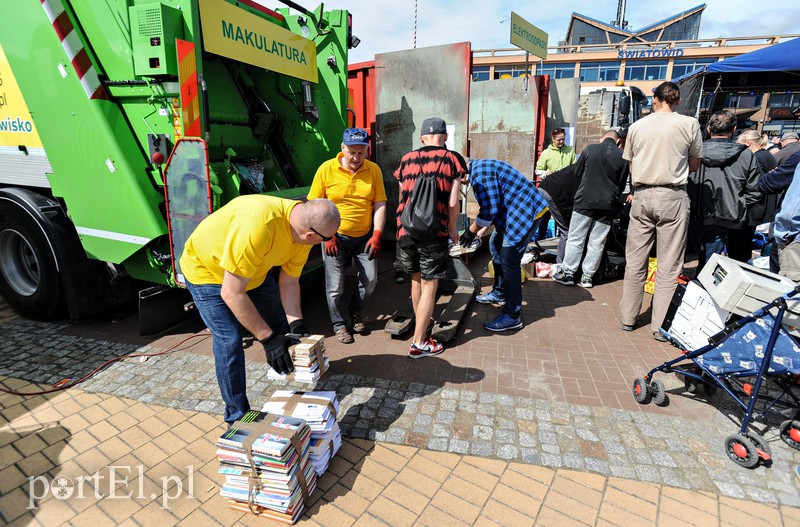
[639, 445]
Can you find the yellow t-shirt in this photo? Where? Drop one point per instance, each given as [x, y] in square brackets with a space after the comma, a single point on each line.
[353, 194]
[247, 237]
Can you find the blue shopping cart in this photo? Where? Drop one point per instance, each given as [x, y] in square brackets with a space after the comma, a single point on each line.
[739, 359]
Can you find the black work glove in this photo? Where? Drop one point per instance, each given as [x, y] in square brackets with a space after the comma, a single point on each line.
[276, 347]
[298, 328]
[467, 238]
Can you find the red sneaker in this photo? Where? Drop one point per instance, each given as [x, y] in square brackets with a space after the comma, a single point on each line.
[429, 348]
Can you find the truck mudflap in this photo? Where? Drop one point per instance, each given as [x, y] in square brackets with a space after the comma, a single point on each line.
[460, 285]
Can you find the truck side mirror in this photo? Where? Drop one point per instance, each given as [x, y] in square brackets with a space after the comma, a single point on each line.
[624, 104]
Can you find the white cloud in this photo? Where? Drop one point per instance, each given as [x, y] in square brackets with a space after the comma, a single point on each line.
[388, 25]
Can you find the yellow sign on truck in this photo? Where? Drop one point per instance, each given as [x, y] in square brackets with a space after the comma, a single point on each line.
[16, 124]
[232, 32]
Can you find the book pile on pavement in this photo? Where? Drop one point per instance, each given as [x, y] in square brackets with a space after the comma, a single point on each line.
[267, 467]
[310, 361]
[319, 410]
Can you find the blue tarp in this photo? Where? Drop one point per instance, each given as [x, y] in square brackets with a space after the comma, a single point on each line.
[779, 57]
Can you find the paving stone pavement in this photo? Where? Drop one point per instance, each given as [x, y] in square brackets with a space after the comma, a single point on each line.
[668, 450]
[93, 459]
[554, 396]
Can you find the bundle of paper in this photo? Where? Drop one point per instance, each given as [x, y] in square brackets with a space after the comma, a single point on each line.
[324, 448]
[265, 459]
[310, 361]
[319, 410]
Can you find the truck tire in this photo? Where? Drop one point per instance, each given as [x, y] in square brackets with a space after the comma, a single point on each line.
[29, 278]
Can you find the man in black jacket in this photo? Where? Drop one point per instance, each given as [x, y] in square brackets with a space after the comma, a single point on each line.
[558, 190]
[722, 188]
[603, 174]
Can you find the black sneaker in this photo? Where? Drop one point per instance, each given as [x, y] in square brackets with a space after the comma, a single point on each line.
[399, 277]
[562, 278]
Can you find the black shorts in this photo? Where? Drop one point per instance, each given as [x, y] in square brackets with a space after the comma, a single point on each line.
[429, 258]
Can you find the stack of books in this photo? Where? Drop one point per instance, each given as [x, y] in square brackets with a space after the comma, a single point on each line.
[319, 410]
[310, 361]
[265, 459]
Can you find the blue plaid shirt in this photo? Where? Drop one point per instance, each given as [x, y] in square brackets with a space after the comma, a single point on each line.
[508, 200]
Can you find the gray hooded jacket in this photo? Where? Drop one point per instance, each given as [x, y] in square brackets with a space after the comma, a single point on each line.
[725, 185]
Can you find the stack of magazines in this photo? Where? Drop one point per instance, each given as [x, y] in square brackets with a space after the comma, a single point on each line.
[266, 462]
[319, 410]
[310, 361]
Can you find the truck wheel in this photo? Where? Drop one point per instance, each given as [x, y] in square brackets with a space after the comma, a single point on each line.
[29, 280]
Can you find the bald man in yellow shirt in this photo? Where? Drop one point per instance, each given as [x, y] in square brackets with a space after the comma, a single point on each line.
[226, 263]
[355, 185]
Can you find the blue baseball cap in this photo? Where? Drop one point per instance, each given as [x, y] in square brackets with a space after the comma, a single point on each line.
[355, 136]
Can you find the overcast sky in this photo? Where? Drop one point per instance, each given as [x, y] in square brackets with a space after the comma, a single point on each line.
[388, 25]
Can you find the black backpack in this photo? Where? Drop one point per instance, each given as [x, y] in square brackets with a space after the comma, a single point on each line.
[420, 218]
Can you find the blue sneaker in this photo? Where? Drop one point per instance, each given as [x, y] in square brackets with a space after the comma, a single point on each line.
[504, 323]
[492, 297]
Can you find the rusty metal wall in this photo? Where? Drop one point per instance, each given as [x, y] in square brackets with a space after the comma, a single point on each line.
[411, 86]
[595, 116]
[562, 107]
[502, 122]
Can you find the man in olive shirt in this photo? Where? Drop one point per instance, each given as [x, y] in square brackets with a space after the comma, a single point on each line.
[226, 263]
[662, 149]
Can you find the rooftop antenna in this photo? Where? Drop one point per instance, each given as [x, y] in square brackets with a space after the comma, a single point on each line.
[620, 21]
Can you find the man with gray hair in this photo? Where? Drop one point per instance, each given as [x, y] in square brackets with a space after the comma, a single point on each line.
[723, 188]
[789, 146]
[227, 261]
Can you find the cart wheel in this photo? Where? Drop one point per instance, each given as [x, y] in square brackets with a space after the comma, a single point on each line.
[709, 388]
[689, 384]
[640, 391]
[760, 444]
[741, 451]
[790, 433]
[659, 393]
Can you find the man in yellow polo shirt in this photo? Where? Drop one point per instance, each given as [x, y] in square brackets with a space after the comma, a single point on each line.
[226, 263]
[355, 185]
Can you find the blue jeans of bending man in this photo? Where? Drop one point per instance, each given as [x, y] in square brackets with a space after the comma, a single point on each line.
[350, 249]
[585, 232]
[506, 260]
[226, 334]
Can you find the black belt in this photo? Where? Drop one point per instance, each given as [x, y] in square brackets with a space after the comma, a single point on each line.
[681, 187]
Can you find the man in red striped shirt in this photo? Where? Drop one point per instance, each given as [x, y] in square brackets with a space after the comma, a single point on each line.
[426, 260]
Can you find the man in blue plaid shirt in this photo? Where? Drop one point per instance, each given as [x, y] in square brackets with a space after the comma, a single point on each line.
[509, 201]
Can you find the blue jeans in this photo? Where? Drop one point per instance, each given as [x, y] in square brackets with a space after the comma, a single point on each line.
[507, 274]
[713, 239]
[226, 334]
[585, 231]
[335, 267]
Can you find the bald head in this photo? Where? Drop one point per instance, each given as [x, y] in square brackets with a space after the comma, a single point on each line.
[611, 134]
[320, 215]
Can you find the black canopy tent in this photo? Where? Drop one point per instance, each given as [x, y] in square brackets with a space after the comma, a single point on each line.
[771, 69]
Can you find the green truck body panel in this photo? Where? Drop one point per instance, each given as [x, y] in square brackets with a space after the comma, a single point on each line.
[98, 148]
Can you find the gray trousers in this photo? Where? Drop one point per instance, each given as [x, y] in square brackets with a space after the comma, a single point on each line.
[586, 232]
[789, 257]
[659, 215]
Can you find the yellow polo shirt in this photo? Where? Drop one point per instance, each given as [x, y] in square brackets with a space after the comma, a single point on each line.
[353, 194]
[247, 237]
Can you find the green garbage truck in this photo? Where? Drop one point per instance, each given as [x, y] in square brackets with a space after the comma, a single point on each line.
[124, 122]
